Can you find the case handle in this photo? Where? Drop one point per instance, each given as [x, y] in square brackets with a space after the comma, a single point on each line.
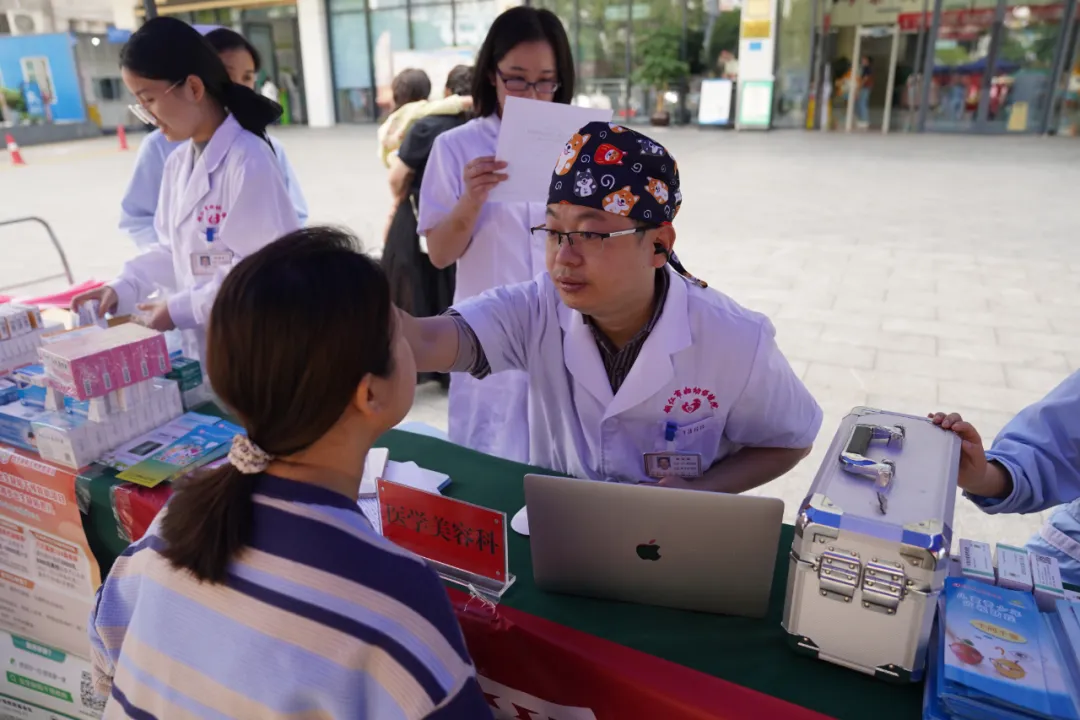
[854, 460]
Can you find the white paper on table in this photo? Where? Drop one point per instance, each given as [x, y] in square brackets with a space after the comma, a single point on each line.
[414, 476]
[374, 466]
[532, 136]
[370, 508]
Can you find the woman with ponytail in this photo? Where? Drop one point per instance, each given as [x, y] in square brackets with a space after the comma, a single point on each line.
[261, 590]
[222, 196]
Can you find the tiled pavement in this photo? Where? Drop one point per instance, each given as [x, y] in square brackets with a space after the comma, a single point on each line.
[910, 273]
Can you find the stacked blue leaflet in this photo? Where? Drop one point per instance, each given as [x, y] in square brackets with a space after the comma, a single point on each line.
[995, 657]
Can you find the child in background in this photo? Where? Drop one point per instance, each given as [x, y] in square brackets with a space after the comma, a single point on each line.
[411, 89]
[261, 590]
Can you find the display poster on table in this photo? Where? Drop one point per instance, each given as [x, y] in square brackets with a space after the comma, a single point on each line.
[450, 533]
[40, 682]
[48, 575]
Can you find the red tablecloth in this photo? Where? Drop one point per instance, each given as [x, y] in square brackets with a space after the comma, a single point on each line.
[534, 669]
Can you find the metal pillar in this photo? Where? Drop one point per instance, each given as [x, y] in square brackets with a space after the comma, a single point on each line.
[150, 7]
[890, 87]
[920, 44]
[928, 66]
[856, 76]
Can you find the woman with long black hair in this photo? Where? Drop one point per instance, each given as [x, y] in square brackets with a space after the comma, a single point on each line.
[223, 196]
[526, 54]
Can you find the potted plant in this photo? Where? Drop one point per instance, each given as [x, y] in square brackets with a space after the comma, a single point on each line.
[661, 67]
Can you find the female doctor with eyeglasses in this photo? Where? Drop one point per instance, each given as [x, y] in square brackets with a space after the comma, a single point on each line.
[222, 194]
[526, 54]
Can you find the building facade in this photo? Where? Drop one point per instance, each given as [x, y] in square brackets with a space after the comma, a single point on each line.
[972, 66]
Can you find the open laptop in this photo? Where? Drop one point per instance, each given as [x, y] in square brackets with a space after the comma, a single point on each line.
[658, 546]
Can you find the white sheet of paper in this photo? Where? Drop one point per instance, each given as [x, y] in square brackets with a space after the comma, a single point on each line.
[370, 508]
[414, 476]
[374, 466]
[532, 136]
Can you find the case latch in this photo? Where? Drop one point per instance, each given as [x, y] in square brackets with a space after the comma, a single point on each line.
[883, 586]
[838, 574]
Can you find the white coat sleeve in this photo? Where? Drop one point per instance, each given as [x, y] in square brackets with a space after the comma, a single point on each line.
[140, 200]
[774, 408]
[291, 183]
[504, 320]
[152, 269]
[258, 211]
[441, 187]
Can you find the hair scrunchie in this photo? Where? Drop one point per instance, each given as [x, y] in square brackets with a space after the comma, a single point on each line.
[247, 457]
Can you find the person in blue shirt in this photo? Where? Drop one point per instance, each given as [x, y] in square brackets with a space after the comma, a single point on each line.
[1034, 464]
[140, 201]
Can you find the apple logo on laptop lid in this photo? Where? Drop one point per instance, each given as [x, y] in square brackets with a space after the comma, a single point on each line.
[649, 551]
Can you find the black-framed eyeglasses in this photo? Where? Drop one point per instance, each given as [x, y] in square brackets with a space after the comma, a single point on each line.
[584, 241]
[520, 84]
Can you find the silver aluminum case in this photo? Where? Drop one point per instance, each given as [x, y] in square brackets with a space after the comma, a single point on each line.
[862, 587]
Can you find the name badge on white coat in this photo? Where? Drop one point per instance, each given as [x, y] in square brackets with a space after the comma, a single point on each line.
[208, 263]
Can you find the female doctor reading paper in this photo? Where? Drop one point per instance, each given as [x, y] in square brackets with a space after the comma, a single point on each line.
[140, 201]
[526, 54]
[222, 196]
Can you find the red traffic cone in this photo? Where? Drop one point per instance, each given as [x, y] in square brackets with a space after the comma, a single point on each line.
[121, 133]
[13, 148]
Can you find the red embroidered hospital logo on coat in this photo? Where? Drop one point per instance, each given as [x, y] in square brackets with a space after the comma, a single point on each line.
[211, 215]
[690, 400]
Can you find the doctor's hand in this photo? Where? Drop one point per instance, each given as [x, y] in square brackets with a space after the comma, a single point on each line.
[480, 176]
[155, 316]
[977, 476]
[105, 295]
[673, 481]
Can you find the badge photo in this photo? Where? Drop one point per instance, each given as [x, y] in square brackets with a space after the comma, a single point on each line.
[208, 263]
[663, 464]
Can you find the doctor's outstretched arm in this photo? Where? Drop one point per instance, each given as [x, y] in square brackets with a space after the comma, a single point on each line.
[745, 470]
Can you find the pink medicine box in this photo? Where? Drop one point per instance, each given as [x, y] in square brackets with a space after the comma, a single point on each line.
[95, 364]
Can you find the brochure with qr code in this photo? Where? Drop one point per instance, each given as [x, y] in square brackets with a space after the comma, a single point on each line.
[202, 445]
[41, 682]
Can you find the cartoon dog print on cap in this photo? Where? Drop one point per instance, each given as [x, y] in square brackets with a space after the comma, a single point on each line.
[570, 153]
[608, 154]
[648, 147]
[621, 202]
[658, 189]
[584, 183]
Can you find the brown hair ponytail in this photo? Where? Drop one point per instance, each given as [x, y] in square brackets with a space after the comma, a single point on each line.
[294, 329]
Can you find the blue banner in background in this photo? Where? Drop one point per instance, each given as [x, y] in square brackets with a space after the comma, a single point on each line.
[35, 105]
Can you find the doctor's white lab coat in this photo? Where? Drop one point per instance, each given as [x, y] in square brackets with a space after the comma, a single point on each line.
[709, 366]
[489, 415]
[139, 204]
[230, 200]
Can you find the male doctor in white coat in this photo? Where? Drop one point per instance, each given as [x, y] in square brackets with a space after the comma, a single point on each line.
[637, 371]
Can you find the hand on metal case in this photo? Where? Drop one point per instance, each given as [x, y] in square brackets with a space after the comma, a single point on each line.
[673, 481]
[972, 455]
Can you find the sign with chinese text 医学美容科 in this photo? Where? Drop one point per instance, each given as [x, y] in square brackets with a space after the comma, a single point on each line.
[447, 531]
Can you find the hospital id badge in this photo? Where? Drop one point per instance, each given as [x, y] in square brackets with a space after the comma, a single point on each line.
[208, 263]
[661, 464]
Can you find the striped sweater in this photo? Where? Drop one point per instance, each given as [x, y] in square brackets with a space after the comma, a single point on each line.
[320, 618]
